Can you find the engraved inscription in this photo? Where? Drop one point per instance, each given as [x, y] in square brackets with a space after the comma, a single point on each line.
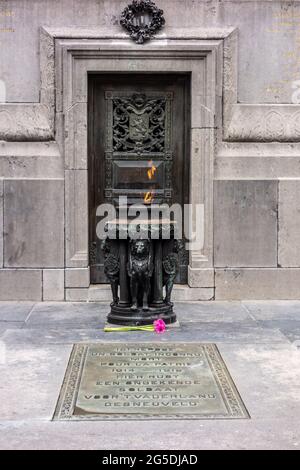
[152, 380]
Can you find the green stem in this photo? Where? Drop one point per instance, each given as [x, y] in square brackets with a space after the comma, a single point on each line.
[129, 328]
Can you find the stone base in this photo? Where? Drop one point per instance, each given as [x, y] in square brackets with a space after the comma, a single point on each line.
[125, 316]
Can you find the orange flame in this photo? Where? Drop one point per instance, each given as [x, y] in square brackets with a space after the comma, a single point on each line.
[148, 198]
[151, 171]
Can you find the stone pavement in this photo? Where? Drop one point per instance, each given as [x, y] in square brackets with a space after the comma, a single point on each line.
[259, 341]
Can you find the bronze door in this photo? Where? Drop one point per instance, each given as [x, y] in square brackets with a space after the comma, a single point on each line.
[138, 147]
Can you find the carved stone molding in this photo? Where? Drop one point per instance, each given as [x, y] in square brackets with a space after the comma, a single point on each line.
[47, 75]
[24, 122]
[264, 123]
[230, 74]
[240, 121]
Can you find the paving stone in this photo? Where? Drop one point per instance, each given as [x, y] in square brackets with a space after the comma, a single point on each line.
[194, 332]
[10, 325]
[15, 311]
[282, 325]
[267, 377]
[32, 376]
[230, 333]
[211, 311]
[273, 310]
[65, 313]
[289, 328]
[268, 434]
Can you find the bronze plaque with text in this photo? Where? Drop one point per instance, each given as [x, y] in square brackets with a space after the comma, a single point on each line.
[148, 380]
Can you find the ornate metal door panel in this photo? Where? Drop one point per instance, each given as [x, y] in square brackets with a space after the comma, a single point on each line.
[138, 147]
[138, 139]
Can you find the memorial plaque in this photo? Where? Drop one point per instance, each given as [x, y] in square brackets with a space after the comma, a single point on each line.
[148, 380]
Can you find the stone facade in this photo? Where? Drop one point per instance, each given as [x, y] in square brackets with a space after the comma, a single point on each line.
[245, 141]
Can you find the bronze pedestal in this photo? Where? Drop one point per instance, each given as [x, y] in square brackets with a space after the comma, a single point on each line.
[140, 261]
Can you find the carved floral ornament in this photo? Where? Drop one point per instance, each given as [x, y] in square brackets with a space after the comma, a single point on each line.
[142, 19]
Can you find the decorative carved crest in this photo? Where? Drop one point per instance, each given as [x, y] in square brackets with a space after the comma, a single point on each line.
[139, 124]
[142, 19]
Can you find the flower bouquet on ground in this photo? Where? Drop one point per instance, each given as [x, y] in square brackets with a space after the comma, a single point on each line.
[158, 326]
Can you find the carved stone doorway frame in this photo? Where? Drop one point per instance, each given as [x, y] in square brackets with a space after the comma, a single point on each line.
[67, 56]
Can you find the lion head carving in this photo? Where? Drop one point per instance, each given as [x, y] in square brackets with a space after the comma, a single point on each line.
[140, 248]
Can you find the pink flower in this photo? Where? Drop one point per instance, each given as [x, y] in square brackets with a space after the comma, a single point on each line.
[159, 326]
